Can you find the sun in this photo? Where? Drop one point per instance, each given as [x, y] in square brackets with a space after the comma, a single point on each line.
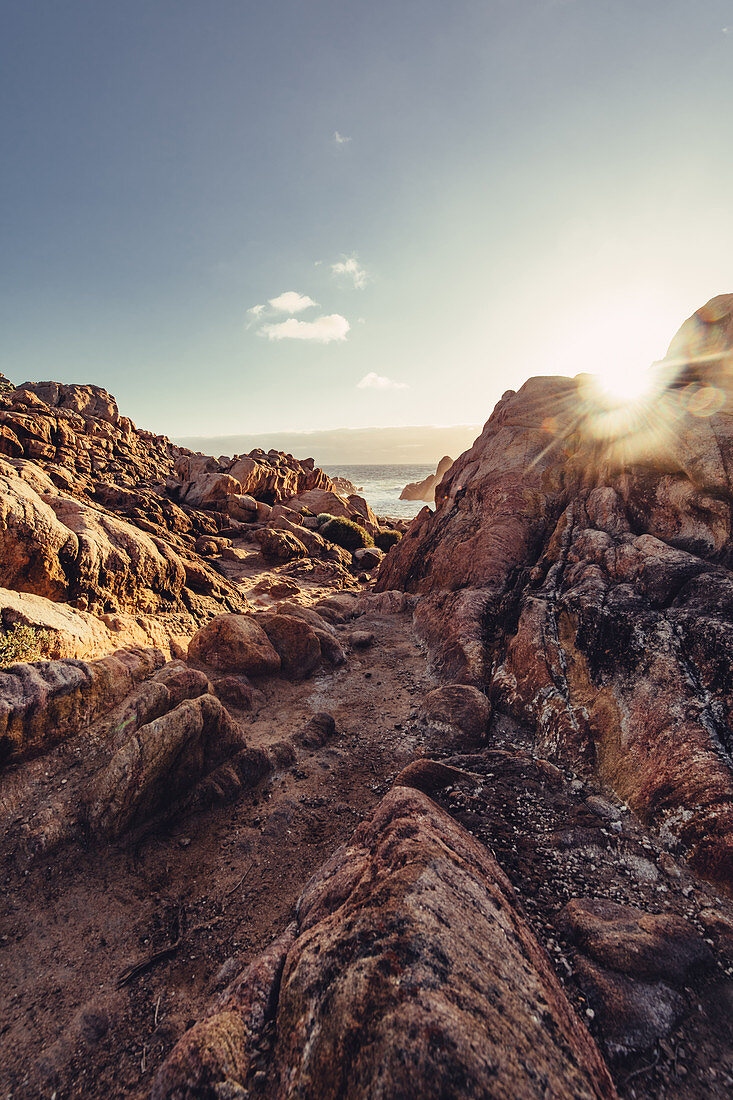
[622, 385]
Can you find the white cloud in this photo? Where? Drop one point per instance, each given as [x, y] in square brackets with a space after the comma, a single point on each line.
[351, 269]
[323, 330]
[339, 139]
[291, 302]
[254, 313]
[373, 381]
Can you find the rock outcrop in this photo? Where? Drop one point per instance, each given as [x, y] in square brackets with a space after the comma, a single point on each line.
[410, 972]
[425, 489]
[577, 568]
[103, 526]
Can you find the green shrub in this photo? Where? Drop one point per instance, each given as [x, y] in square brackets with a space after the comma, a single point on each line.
[324, 517]
[387, 538]
[24, 643]
[346, 534]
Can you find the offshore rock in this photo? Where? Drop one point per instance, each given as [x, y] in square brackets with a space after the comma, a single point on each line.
[425, 490]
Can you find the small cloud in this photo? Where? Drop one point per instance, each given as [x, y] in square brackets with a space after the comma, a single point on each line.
[373, 381]
[323, 330]
[351, 269]
[291, 302]
[254, 313]
[727, 30]
[339, 139]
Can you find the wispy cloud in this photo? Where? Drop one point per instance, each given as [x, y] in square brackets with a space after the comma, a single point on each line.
[373, 381]
[322, 330]
[291, 302]
[340, 139]
[256, 311]
[351, 269]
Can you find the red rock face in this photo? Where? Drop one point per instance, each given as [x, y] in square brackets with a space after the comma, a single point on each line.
[577, 566]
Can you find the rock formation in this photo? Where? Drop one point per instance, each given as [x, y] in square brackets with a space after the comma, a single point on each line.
[425, 489]
[577, 568]
[266, 849]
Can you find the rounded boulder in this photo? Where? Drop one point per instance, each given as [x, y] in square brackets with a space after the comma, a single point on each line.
[235, 643]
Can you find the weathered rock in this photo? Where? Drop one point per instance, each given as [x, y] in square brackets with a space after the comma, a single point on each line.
[361, 639]
[45, 702]
[314, 544]
[459, 706]
[362, 514]
[317, 731]
[208, 1061]
[322, 500]
[280, 545]
[160, 762]
[368, 557]
[578, 562]
[648, 946]
[331, 648]
[386, 603]
[295, 641]
[235, 643]
[432, 775]
[234, 690]
[412, 974]
[631, 1015]
[69, 632]
[307, 614]
[339, 608]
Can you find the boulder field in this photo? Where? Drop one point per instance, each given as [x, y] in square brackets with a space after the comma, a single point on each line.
[287, 814]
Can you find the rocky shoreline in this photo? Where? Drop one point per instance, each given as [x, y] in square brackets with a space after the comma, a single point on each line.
[296, 806]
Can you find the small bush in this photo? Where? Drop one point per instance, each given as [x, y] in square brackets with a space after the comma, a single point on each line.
[387, 538]
[324, 517]
[346, 534]
[24, 643]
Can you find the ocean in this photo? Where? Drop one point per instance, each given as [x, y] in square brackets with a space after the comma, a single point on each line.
[381, 486]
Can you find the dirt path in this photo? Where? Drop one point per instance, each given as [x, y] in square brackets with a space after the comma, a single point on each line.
[210, 889]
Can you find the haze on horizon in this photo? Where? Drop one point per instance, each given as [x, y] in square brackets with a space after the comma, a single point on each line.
[242, 219]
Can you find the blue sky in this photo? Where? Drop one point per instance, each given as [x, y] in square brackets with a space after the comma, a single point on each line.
[450, 197]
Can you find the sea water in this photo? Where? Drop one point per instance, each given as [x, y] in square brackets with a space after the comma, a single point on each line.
[381, 487]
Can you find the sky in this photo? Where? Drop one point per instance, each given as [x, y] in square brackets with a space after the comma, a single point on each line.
[246, 217]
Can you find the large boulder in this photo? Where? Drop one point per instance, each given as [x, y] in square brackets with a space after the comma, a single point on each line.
[235, 643]
[281, 546]
[459, 707]
[295, 641]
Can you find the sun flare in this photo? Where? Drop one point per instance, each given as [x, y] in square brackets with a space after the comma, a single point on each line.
[625, 386]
